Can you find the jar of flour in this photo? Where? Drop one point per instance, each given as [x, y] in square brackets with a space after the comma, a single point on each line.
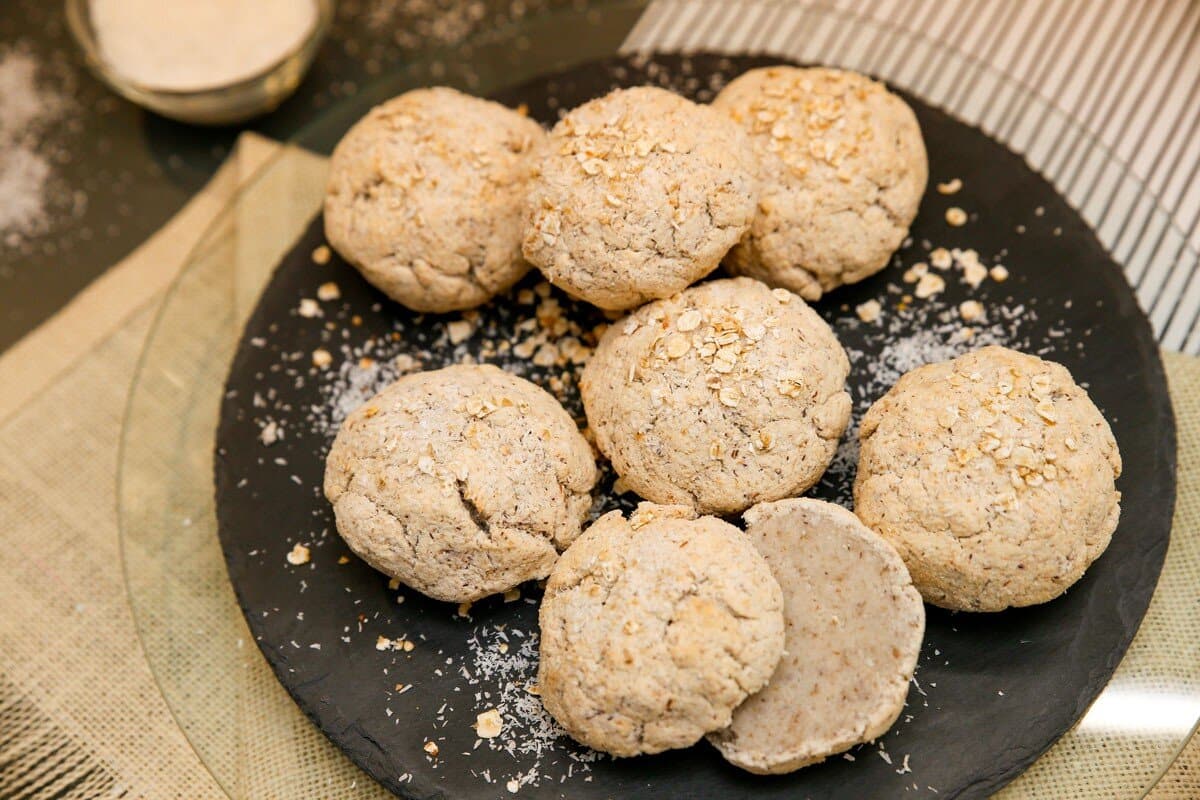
[201, 61]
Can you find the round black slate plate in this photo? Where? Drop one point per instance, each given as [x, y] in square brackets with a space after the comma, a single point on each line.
[992, 691]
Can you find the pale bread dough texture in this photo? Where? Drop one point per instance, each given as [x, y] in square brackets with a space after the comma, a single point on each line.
[460, 482]
[725, 395]
[653, 629]
[639, 194]
[843, 169]
[853, 625]
[994, 477]
[425, 196]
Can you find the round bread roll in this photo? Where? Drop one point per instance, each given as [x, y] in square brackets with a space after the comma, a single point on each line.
[639, 194]
[460, 482]
[653, 629]
[843, 168]
[425, 195]
[852, 633]
[723, 396]
[994, 477]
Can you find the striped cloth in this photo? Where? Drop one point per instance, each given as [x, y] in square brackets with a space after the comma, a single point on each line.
[1102, 98]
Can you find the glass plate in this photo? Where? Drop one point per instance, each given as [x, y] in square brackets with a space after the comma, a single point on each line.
[240, 722]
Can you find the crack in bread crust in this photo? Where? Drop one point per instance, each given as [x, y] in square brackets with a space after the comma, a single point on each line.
[460, 482]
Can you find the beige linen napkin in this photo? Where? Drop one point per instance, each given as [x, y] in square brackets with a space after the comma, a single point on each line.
[80, 712]
[81, 715]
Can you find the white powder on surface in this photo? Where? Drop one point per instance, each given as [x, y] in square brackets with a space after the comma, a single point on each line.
[23, 104]
[505, 678]
[23, 176]
[28, 106]
[190, 45]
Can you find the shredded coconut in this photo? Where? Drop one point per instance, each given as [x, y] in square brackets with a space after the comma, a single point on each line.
[505, 679]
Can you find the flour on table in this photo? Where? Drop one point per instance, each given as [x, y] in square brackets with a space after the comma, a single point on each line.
[28, 107]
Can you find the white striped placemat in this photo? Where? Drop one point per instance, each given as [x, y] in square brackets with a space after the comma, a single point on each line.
[1102, 98]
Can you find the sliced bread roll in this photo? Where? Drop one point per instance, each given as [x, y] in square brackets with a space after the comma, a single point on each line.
[853, 628]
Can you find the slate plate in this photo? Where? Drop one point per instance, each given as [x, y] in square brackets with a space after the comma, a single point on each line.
[992, 691]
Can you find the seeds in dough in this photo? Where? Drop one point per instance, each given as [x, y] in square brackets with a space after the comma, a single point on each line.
[843, 167]
[638, 194]
[853, 627]
[424, 198]
[683, 393]
[1004, 502]
[653, 629]
[460, 482]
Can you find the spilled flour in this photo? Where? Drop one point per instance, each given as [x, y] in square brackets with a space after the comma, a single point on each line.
[28, 108]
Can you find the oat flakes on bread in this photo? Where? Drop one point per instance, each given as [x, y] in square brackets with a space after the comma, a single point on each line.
[425, 194]
[843, 167]
[994, 476]
[638, 194]
[654, 628]
[722, 396]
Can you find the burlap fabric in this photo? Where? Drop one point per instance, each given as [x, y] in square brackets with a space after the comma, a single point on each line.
[81, 713]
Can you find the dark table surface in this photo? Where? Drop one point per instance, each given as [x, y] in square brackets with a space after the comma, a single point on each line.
[117, 173]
